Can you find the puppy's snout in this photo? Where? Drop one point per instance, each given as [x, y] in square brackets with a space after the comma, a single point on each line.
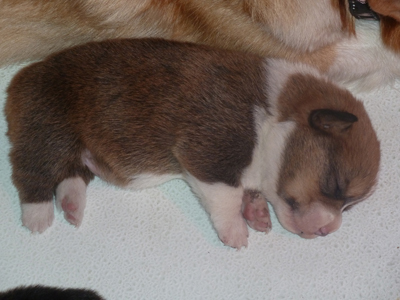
[330, 227]
[319, 220]
[323, 231]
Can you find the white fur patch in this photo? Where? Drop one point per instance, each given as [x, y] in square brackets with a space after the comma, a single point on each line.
[263, 172]
[224, 204]
[37, 217]
[363, 63]
[147, 180]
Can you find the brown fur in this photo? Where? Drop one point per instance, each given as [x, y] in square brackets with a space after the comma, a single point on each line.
[333, 161]
[121, 109]
[196, 111]
[338, 181]
[389, 8]
[345, 16]
[389, 11]
[390, 29]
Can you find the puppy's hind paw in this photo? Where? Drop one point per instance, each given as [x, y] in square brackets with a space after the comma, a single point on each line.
[37, 217]
[71, 199]
[72, 213]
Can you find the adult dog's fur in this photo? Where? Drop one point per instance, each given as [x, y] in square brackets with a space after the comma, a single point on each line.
[321, 32]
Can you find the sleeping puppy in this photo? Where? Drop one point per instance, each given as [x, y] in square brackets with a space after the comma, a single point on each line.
[138, 113]
[321, 33]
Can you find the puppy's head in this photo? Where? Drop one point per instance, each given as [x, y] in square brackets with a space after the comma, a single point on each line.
[331, 159]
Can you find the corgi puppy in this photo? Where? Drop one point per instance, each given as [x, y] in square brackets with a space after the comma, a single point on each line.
[138, 113]
[362, 54]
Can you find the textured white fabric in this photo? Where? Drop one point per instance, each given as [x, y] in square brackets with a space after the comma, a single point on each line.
[159, 243]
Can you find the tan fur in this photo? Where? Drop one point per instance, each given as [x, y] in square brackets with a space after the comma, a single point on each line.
[390, 17]
[327, 162]
[33, 29]
[390, 31]
[314, 32]
[389, 8]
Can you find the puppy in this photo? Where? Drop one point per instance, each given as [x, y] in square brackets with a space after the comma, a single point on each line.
[138, 113]
[39, 292]
[320, 33]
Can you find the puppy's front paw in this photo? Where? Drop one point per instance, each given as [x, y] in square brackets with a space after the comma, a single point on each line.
[37, 217]
[256, 212]
[233, 233]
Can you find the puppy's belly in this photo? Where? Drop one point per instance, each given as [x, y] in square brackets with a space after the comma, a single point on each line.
[147, 180]
[137, 181]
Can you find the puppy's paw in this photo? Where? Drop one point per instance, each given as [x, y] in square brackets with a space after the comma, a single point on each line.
[37, 217]
[233, 232]
[256, 212]
[73, 213]
[71, 199]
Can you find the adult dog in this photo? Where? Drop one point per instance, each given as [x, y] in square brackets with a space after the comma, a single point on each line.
[322, 33]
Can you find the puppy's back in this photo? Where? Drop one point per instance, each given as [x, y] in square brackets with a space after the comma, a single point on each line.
[147, 99]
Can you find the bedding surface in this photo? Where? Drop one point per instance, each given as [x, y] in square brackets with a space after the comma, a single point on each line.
[159, 243]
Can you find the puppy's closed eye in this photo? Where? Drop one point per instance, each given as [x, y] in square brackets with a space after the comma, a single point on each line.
[294, 205]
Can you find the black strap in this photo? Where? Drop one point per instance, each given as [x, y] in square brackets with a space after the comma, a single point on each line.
[361, 10]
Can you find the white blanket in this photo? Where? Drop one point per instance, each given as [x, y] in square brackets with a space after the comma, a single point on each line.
[159, 243]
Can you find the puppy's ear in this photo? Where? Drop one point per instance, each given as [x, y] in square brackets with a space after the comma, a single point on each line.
[331, 121]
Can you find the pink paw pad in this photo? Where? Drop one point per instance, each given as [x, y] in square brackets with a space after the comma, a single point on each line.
[71, 212]
[71, 199]
[255, 211]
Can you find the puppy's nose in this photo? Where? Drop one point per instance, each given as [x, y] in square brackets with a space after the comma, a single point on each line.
[330, 227]
[323, 231]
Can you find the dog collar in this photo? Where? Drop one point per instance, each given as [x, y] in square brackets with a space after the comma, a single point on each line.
[361, 10]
